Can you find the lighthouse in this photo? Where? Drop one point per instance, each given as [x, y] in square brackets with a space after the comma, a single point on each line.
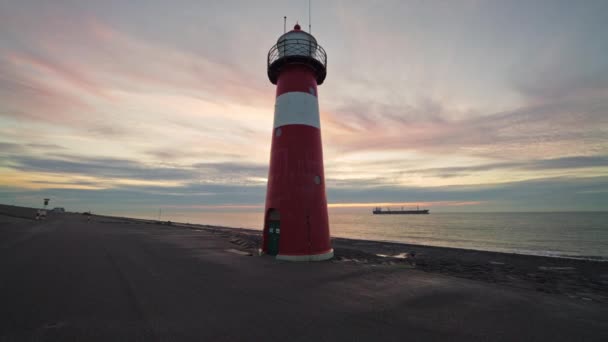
[296, 225]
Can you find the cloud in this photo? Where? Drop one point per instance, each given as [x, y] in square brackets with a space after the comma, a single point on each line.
[577, 162]
[115, 169]
[100, 167]
[10, 148]
[170, 153]
[26, 97]
[108, 130]
[568, 162]
[98, 65]
[233, 170]
[555, 129]
[549, 194]
[45, 146]
[58, 70]
[175, 154]
[561, 193]
[560, 83]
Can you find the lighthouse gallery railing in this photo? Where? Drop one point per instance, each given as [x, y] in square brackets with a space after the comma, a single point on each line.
[297, 51]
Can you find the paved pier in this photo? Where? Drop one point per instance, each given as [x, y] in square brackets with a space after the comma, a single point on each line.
[66, 279]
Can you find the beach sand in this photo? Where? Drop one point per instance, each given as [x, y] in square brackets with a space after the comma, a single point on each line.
[66, 278]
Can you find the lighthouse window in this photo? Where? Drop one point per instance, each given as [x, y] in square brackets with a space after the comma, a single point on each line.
[317, 180]
[278, 132]
[311, 90]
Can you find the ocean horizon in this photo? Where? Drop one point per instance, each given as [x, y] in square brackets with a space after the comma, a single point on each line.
[573, 234]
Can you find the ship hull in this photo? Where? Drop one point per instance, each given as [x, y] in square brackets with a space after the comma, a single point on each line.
[401, 212]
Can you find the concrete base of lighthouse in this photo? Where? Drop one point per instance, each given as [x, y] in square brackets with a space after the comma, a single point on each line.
[311, 257]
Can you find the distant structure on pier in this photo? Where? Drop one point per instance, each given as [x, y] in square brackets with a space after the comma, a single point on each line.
[295, 222]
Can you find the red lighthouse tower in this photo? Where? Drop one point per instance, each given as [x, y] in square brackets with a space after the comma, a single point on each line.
[295, 222]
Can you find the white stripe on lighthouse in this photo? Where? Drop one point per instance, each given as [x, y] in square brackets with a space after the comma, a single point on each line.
[296, 108]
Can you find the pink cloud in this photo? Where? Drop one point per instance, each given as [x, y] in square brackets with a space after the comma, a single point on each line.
[94, 60]
[566, 127]
[59, 70]
[30, 97]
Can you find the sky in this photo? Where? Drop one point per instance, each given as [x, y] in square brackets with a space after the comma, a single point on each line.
[472, 105]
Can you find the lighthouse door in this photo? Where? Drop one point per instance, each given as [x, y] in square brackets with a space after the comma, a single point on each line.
[274, 232]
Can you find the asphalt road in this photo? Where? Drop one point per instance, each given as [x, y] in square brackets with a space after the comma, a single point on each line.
[66, 279]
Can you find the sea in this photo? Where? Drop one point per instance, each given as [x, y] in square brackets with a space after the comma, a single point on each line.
[558, 234]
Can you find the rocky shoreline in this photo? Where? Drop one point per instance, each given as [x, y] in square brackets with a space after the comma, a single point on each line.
[575, 278]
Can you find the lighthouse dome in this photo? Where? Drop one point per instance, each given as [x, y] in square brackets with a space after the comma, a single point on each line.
[296, 43]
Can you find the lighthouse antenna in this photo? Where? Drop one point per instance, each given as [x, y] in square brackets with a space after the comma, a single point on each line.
[284, 24]
[309, 22]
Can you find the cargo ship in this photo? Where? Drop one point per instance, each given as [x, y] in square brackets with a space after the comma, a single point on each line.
[388, 211]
